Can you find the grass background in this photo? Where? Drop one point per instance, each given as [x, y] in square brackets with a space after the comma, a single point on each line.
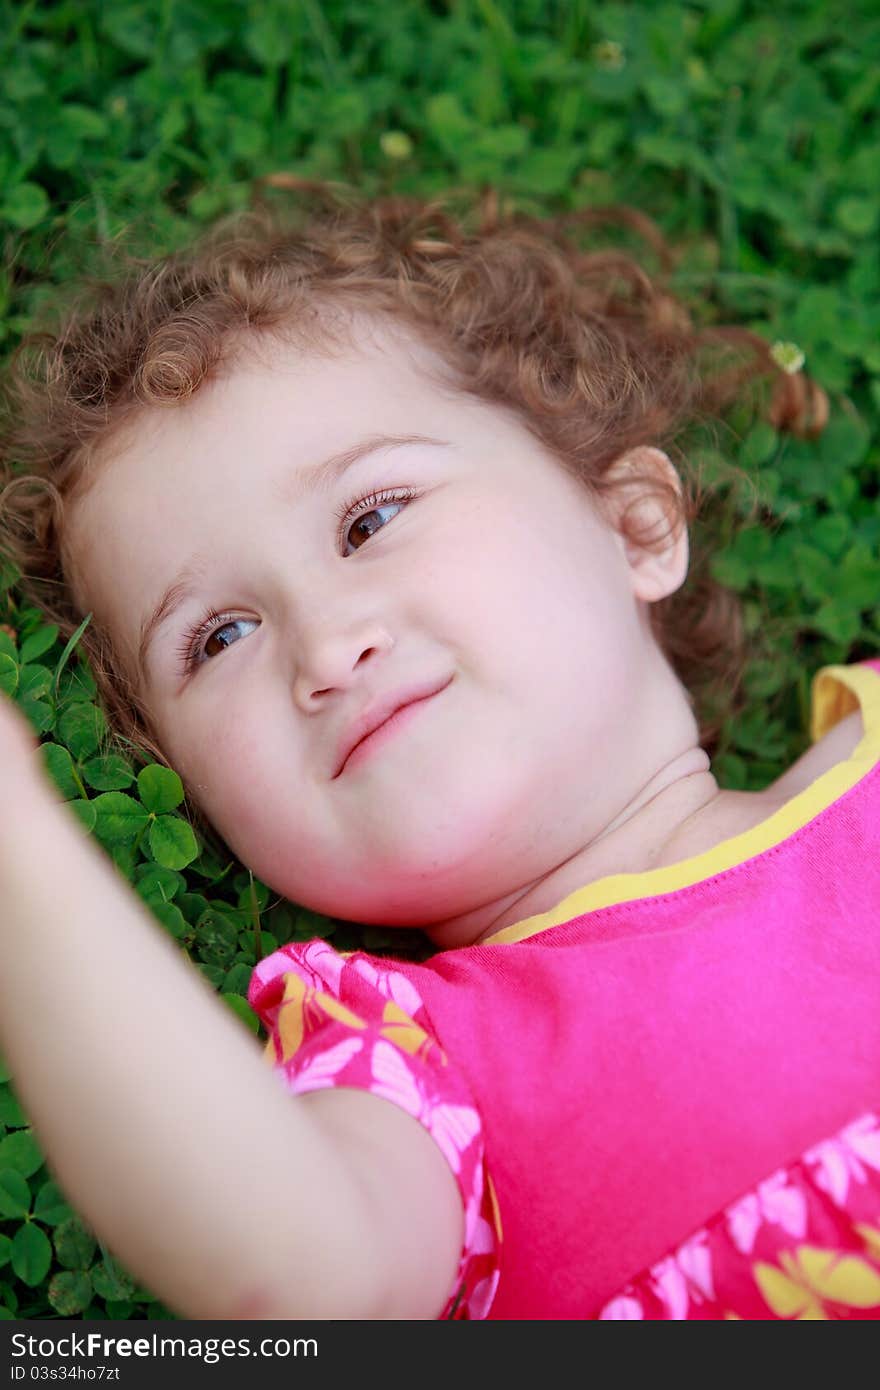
[749, 134]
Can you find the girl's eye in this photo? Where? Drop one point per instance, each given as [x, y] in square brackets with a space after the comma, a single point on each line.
[352, 515]
[194, 649]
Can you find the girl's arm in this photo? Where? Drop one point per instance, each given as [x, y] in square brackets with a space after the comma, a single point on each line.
[168, 1131]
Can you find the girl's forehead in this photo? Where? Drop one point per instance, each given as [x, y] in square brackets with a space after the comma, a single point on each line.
[370, 377]
[337, 342]
[371, 358]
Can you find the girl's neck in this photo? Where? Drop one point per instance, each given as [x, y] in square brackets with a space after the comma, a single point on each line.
[681, 811]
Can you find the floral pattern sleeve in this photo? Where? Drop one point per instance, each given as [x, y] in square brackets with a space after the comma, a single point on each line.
[346, 1020]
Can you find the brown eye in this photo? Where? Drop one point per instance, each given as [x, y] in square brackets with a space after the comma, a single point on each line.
[355, 516]
[364, 526]
[216, 635]
[194, 650]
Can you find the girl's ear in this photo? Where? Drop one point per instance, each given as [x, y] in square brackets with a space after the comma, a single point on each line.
[659, 569]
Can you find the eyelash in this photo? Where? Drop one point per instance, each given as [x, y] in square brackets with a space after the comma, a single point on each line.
[346, 515]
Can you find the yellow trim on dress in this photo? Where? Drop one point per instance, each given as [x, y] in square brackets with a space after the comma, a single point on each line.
[836, 691]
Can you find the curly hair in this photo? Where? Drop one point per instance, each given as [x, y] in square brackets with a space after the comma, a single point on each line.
[593, 355]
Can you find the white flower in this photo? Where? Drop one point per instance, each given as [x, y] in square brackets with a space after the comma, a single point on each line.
[788, 356]
[396, 144]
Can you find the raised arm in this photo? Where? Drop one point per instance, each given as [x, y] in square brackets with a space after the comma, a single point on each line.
[166, 1128]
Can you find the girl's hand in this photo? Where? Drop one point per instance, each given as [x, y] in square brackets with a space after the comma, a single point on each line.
[158, 1115]
[21, 768]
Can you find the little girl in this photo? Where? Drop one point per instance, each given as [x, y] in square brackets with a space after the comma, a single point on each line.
[384, 556]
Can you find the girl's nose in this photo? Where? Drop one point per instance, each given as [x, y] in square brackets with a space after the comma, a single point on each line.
[334, 661]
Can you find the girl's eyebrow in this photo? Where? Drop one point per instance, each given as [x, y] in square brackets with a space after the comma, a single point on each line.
[320, 477]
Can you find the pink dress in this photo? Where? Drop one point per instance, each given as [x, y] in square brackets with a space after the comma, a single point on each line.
[660, 1099]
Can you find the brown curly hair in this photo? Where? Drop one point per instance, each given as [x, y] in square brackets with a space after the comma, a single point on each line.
[593, 355]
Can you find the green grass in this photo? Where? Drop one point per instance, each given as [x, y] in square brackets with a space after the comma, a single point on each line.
[749, 134]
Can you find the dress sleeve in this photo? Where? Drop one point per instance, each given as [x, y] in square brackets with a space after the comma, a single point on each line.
[347, 1020]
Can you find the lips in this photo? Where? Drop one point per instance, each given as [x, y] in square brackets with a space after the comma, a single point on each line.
[376, 713]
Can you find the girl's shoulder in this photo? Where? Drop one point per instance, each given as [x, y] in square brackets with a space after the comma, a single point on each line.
[844, 724]
[351, 1036]
[838, 744]
[411, 1210]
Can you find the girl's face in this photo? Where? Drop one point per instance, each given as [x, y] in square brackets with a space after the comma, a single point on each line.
[483, 569]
